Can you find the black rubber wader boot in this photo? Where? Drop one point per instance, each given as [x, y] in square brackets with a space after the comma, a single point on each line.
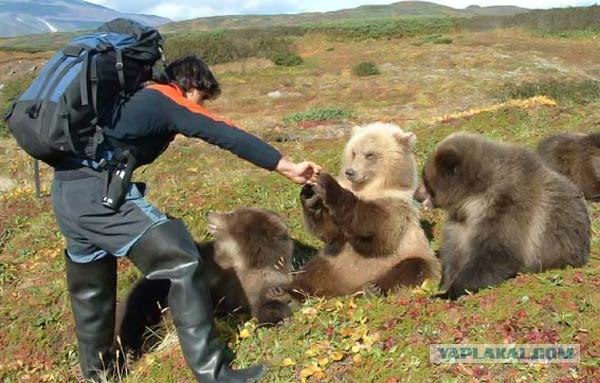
[167, 251]
[92, 289]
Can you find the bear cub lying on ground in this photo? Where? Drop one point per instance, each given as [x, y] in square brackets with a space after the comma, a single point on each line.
[248, 263]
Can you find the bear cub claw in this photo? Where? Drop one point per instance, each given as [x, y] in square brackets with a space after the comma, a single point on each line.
[372, 290]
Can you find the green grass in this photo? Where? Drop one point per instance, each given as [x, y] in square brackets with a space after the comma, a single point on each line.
[319, 114]
[365, 69]
[286, 59]
[10, 93]
[226, 46]
[433, 39]
[579, 92]
[577, 34]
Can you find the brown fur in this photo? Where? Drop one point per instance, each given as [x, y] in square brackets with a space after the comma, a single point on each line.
[508, 213]
[248, 268]
[577, 156]
[255, 245]
[367, 220]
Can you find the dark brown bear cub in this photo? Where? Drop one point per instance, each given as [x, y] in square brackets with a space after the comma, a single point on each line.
[248, 264]
[577, 156]
[508, 213]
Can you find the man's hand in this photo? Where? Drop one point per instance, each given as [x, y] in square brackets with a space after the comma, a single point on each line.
[299, 173]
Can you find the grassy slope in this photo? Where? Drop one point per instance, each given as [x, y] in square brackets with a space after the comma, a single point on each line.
[400, 9]
[393, 333]
[404, 9]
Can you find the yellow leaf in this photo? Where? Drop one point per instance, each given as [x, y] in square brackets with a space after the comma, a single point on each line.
[306, 372]
[355, 349]
[316, 369]
[337, 356]
[244, 333]
[311, 353]
[428, 285]
[323, 362]
[346, 332]
[310, 371]
[369, 340]
[356, 359]
[310, 311]
[288, 362]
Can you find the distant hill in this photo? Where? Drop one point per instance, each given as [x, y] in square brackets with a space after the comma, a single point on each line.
[22, 17]
[396, 10]
[498, 10]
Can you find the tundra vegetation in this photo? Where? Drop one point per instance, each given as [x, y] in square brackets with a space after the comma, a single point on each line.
[488, 80]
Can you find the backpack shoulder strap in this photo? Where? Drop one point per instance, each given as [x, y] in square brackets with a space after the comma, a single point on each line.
[83, 81]
[119, 67]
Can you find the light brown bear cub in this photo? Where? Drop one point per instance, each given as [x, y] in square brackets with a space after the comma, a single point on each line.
[371, 229]
[248, 266]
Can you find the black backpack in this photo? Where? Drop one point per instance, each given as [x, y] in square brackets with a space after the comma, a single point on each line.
[72, 99]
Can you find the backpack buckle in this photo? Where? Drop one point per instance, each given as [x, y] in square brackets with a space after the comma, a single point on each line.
[119, 66]
[33, 111]
[103, 163]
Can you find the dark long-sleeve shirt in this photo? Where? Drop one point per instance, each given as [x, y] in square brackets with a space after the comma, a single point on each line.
[152, 117]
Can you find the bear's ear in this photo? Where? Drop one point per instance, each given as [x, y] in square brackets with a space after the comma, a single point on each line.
[406, 138]
[356, 129]
[448, 159]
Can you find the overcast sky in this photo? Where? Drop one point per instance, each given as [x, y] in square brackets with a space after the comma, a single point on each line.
[188, 9]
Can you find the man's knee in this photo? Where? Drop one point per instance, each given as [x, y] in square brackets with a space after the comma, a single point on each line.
[165, 251]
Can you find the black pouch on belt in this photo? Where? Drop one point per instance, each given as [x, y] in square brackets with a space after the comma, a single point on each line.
[118, 179]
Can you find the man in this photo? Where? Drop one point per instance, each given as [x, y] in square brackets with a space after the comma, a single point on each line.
[161, 248]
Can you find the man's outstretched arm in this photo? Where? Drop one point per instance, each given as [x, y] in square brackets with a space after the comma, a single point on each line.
[193, 120]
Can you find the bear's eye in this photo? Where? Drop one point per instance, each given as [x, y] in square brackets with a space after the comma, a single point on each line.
[353, 155]
[370, 156]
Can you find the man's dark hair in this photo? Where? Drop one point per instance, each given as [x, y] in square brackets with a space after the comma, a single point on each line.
[191, 72]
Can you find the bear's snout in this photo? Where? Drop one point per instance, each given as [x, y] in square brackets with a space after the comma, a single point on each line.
[351, 174]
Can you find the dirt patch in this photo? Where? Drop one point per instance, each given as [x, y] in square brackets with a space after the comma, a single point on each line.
[6, 184]
[309, 131]
[16, 64]
[243, 66]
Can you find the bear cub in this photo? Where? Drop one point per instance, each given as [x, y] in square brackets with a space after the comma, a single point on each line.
[367, 219]
[576, 156]
[248, 265]
[507, 213]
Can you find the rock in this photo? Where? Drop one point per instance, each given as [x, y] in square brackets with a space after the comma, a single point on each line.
[1, 86]
[6, 184]
[281, 94]
[33, 68]
[275, 94]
